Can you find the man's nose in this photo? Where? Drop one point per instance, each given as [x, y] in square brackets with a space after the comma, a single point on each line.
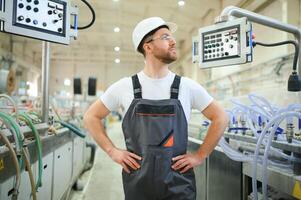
[172, 41]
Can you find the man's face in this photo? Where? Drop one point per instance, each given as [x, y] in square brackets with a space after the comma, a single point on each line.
[163, 46]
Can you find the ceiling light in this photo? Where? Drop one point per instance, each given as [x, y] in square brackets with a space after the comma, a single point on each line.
[115, 0]
[181, 3]
[116, 29]
[117, 60]
[67, 82]
[117, 48]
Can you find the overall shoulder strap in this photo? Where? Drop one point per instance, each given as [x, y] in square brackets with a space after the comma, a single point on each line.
[136, 87]
[174, 90]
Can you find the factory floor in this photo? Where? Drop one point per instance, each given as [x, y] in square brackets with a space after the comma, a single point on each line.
[103, 181]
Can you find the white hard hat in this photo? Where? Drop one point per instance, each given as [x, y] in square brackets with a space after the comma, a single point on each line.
[146, 26]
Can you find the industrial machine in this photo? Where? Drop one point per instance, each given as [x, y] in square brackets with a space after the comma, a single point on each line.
[259, 157]
[41, 154]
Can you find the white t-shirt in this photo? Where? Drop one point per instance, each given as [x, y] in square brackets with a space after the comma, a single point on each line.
[191, 94]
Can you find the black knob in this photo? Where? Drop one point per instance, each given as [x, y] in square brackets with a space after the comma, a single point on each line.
[28, 7]
[44, 24]
[226, 53]
[21, 5]
[28, 20]
[60, 15]
[49, 12]
[28, 1]
[59, 29]
[21, 18]
[36, 2]
[36, 10]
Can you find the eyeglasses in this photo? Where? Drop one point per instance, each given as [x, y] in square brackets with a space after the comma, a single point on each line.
[163, 37]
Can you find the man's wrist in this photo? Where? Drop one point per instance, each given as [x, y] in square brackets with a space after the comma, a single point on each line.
[201, 154]
[110, 150]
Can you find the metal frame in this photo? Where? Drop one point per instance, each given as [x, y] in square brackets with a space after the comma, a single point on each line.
[267, 21]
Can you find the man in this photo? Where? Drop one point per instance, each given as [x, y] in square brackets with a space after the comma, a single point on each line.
[157, 104]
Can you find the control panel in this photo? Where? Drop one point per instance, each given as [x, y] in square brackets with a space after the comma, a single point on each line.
[42, 19]
[226, 43]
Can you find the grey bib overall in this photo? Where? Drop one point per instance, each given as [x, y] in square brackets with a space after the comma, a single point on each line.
[156, 130]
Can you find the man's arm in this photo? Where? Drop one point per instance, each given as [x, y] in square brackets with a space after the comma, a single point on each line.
[92, 120]
[219, 121]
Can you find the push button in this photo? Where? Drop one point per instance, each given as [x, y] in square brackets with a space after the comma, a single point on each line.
[21, 18]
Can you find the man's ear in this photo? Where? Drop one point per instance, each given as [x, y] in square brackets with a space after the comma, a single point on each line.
[147, 47]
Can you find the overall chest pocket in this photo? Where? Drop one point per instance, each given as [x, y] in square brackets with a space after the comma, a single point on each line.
[155, 124]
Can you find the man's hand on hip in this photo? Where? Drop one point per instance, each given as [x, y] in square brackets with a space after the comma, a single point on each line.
[125, 159]
[186, 162]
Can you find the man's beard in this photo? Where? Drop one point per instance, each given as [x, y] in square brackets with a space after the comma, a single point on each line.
[166, 58]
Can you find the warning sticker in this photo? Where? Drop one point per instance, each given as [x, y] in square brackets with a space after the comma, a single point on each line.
[297, 190]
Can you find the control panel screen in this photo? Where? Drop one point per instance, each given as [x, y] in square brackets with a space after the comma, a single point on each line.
[41, 15]
[221, 44]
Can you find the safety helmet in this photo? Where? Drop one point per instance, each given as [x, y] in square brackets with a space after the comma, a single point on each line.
[146, 26]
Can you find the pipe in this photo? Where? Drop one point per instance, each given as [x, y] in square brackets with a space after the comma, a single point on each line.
[267, 21]
[257, 99]
[267, 148]
[45, 81]
[272, 122]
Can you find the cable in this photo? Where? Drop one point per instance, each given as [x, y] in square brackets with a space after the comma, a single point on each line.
[282, 43]
[93, 17]
[24, 117]
[16, 164]
[30, 174]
